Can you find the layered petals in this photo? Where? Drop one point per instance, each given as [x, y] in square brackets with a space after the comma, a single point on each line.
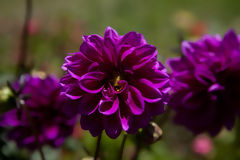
[45, 108]
[203, 81]
[121, 86]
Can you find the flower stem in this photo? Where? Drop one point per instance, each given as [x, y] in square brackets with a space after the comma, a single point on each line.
[138, 150]
[237, 139]
[122, 147]
[138, 145]
[97, 147]
[21, 67]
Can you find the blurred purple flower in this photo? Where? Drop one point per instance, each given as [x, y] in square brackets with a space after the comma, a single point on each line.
[205, 81]
[44, 107]
[115, 82]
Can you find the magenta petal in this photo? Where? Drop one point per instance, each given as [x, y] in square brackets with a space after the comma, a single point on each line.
[135, 101]
[230, 43]
[70, 107]
[215, 87]
[92, 82]
[139, 56]
[187, 50]
[139, 121]
[111, 33]
[74, 91]
[156, 108]
[133, 39]
[160, 79]
[204, 75]
[90, 51]
[110, 50]
[125, 54]
[149, 92]
[112, 126]
[73, 97]
[124, 117]
[52, 132]
[144, 54]
[96, 40]
[79, 67]
[93, 123]
[108, 93]
[67, 79]
[9, 119]
[108, 107]
[89, 103]
[177, 64]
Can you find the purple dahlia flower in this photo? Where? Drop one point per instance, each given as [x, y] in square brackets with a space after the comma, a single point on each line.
[205, 81]
[44, 107]
[115, 82]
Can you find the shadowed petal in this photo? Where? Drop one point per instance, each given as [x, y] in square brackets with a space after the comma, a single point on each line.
[89, 103]
[156, 108]
[112, 126]
[9, 118]
[51, 132]
[74, 91]
[93, 123]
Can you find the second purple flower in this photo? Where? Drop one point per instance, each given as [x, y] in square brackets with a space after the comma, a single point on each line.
[115, 82]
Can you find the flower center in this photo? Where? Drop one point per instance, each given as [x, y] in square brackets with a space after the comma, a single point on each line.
[117, 87]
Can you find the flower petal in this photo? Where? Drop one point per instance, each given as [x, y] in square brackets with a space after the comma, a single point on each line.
[96, 40]
[133, 38]
[149, 92]
[135, 101]
[9, 119]
[73, 91]
[79, 67]
[51, 132]
[90, 51]
[156, 108]
[110, 50]
[125, 116]
[92, 82]
[108, 107]
[93, 123]
[139, 56]
[89, 103]
[112, 126]
[111, 33]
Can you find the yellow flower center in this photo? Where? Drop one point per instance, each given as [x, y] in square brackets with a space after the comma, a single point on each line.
[116, 85]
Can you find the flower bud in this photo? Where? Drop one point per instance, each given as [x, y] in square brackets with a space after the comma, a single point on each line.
[152, 133]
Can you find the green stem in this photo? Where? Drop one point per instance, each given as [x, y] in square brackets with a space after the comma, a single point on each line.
[21, 67]
[122, 147]
[97, 147]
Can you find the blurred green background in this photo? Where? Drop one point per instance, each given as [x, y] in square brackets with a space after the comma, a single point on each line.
[56, 29]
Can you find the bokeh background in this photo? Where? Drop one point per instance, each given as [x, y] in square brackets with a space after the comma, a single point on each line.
[56, 29]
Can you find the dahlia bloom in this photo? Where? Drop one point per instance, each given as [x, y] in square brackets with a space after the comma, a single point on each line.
[115, 82]
[205, 82]
[44, 107]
